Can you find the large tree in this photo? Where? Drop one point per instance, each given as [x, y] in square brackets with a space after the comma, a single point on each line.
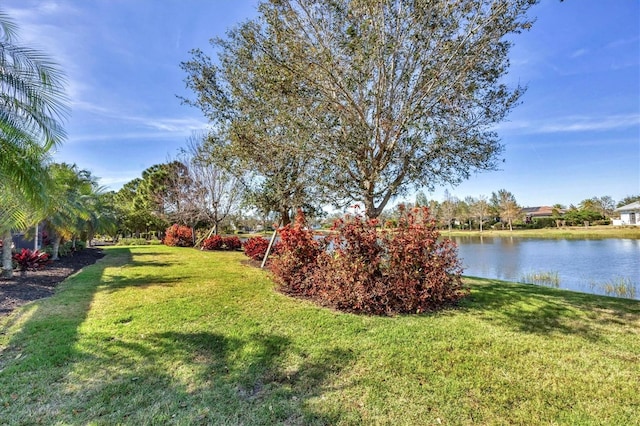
[134, 214]
[258, 129]
[32, 103]
[396, 93]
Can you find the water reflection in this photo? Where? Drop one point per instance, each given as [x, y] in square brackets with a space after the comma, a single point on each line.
[581, 265]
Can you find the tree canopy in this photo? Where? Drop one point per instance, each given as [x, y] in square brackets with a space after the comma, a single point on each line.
[375, 98]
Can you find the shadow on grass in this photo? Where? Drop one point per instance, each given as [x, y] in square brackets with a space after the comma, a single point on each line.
[50, 325]
[205, 378]
[49, 375]
[542, 310]
[118, 282]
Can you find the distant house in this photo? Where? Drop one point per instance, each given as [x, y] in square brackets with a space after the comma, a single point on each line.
[629, 214]
[531, 213]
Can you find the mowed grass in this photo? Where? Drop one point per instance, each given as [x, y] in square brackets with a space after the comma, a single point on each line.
[569, 232]
[158, 335]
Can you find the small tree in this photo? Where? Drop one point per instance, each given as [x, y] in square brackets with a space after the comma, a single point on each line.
[505, 206]
[480, 209]
[449, 209]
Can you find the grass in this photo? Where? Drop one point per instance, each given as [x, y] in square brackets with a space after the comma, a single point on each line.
[158, 335]
[546, 278]
[618, 286]
[631, 232]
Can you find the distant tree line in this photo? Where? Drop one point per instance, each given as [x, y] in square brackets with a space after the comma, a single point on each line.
[501, 209]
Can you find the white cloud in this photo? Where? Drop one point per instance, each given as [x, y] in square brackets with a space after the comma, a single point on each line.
[173, 125]
[622, 42]
[572, 124]
[579, 52]
[101, 137]
[585, 124]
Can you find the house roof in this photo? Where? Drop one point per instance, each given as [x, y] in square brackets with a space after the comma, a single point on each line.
[541, 211]
[632, 207]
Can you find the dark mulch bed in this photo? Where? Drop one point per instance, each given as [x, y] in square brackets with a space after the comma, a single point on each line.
[32, 285]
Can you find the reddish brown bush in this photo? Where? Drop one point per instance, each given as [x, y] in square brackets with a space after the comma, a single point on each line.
[216, 242]
[256, 247]
[297, 257]
[231, 243]
[212, 243]
[404, 270]
[178, 236]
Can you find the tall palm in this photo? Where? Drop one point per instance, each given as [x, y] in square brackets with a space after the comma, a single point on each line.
[32, 104]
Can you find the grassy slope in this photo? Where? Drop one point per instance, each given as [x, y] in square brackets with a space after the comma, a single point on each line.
[632, 232]
[160, 335]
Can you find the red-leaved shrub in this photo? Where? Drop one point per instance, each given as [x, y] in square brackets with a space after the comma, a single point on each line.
[402, 270]
[216, 242]
[212, 243]
[256, 247]
[297, 257]
[231, 243]
[178, 236]
[30, 260]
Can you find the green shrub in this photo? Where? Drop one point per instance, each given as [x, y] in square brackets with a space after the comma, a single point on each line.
[134, 242]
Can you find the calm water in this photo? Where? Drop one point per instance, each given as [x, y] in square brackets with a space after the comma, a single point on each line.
[580, 265]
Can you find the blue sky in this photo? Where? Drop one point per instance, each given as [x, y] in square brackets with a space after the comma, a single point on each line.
[576, 134]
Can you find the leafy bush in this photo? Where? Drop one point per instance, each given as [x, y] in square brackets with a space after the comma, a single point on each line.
[403, 270]
[297, 258]
[178, 236]
[232, 243]
[65, 249]
[133, 242]
[217, 242]
[28, 260]
[256, 247]
[212, 243]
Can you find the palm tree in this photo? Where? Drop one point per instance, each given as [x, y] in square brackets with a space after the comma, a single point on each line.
[32, 103]
[69, 208]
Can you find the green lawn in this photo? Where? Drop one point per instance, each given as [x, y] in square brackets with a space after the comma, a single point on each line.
[632, 232]
[158, 335]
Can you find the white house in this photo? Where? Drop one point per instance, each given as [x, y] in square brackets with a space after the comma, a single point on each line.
[629, 214]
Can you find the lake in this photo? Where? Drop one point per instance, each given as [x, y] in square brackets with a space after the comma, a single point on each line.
[607, 266]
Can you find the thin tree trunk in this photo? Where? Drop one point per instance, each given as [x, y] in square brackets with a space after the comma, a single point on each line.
[7, 264]
[56, 248]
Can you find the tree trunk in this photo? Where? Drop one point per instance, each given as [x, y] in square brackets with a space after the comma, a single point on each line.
[56, 248]
[7, 264]
[285, 219]
[480, 225]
